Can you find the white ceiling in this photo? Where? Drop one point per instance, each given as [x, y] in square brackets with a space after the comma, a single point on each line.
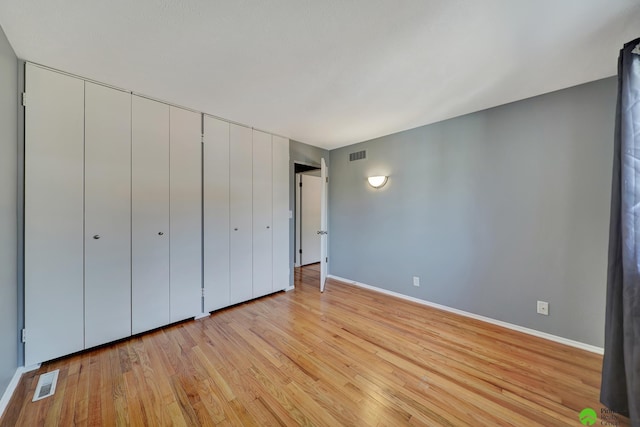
[327, 72]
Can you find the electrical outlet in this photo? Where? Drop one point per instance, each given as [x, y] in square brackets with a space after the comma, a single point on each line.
[416, 281]
[543, 308]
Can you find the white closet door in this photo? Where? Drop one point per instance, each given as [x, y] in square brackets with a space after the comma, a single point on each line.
[150, 214]
[240, 195]
[262, 214]
[186, 213]
[216, 214]
[107, 250]
[54, 166]
[280, 156]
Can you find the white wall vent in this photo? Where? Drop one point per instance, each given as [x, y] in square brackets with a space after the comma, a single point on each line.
[358, 155]
[46, 385]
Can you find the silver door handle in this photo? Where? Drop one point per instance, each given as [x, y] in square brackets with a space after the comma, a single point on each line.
[97, 236]
[321, 232]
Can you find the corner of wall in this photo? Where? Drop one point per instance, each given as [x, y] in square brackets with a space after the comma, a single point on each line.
[8, 213]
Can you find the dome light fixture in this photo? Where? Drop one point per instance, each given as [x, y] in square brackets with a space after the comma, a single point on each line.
[377, 181]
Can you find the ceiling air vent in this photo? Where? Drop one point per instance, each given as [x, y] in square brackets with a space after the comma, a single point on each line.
[358, 155]
[46, 385]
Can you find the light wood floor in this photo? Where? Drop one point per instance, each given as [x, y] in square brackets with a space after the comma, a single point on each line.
[346, 357]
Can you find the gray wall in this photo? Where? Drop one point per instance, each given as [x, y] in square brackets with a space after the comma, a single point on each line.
[308, 155]
[8, 212]
[493, 211]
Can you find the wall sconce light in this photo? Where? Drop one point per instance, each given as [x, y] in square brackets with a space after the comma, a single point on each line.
[377, 181]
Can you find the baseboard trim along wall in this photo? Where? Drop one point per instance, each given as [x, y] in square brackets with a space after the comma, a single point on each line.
[550, 337]
[13, 384]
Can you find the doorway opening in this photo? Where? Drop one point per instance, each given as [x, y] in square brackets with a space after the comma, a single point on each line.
[308, 187]
[308, 192]
[311, 205]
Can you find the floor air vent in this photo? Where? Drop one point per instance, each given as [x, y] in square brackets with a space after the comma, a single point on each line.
[358, 155]
[46, 385]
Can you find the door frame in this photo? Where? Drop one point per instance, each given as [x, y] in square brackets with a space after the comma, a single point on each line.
[307, 166]
[307, 205]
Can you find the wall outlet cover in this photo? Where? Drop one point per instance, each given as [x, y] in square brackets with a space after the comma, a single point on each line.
[543, 308]
[416, 281]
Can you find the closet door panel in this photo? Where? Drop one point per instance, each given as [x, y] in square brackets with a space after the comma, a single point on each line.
[186, 213]
[150, 214]
[262, 215]
[107, 214]
[54, 217]
[280, 193]
[216, 213]
[240, 194]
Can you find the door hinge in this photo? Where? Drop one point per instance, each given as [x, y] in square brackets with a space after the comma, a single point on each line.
[202, 139]
[326, 179]
[202, 292]
[24, 99]
[23, 338]
[300, 250]
[326, 259]
[301, 184]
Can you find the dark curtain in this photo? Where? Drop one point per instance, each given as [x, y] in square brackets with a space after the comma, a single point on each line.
[620, 389]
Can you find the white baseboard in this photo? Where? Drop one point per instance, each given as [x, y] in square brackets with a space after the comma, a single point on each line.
[550, 337]
[202, 316]
[290, 288]
[13, 384]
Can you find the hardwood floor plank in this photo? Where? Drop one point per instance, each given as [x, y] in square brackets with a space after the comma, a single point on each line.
[94, 404]
[81, 407]
[67, 413]
[261, 412]
[348, 356]
[187, 399]
[173, 416]
[137, 415]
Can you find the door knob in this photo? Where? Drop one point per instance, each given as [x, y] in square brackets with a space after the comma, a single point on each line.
[235, 229]
[321, 232]
[160, 233]
[97, 236]
[268, 226]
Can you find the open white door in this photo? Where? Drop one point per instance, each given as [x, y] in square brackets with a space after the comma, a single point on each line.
[324, 208]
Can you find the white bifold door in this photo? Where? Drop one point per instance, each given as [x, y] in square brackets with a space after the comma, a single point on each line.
[166, 214]
[150, 214]
[107, 189]
[216, 214]
[240, 209]
[246, 213]
[185, 216]
[262, 214]
[113, 214]
[280, 205]
[54, 215]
